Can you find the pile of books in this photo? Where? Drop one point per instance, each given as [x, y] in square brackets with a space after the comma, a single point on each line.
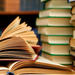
[19, 53]
[72, 41]
[55, 29]
[10, 5]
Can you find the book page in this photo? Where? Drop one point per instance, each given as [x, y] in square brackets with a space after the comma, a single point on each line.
[49, 63]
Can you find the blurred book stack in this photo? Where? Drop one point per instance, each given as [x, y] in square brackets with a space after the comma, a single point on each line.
[55, 29]
[9, 5]
[72, 41]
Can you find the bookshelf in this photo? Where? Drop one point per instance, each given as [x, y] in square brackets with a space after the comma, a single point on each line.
[28, 10]
[19, 13]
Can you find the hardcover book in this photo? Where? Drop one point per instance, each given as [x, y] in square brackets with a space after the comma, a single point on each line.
[67, 59]
[56, 30]
[54, 21]
[56, 39]
[58, 4]
[58, 49]
[55, 13]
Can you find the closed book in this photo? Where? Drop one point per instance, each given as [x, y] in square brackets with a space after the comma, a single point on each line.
[57, 4]
[55, 13]
[55, 30]
[59, 49]
[60, 59]
[53, 21]
[55, 39]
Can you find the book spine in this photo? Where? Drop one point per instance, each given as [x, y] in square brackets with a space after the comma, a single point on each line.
[12, 5]
[32, 5]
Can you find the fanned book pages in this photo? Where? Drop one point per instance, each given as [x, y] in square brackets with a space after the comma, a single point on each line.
[18, 41]
[41, 66]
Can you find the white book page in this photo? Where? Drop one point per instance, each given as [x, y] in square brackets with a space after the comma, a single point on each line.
[3, 68]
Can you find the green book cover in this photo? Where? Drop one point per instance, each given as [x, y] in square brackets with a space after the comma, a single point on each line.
[55, 54]
[58, 35]
[53, 8]
[55, 17]
[53, 26]
[56, 43]
[66, 64]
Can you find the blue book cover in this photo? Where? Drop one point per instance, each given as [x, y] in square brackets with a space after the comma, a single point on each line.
[31, 5]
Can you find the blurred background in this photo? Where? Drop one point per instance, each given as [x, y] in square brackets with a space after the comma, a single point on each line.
[28, 10]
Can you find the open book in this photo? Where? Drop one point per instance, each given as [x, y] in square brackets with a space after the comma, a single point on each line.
[18, 41]
[41, 66]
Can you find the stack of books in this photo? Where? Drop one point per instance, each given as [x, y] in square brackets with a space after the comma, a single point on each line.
[72, 41]
[19, 53]
[55, 29]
